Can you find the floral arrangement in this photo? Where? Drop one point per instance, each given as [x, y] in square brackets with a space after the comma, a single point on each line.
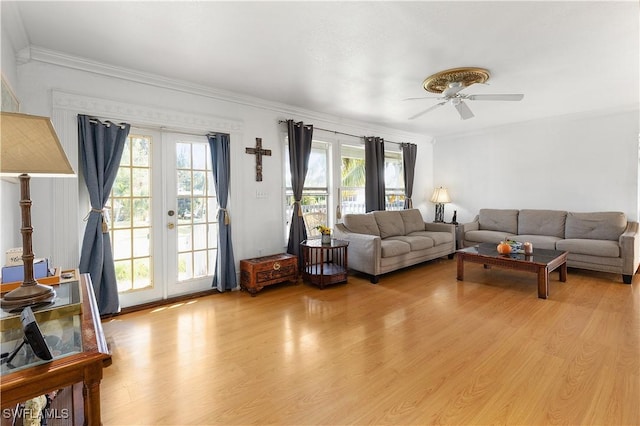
[324, 230]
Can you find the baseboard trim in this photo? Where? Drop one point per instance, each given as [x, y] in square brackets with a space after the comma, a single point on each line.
[163, 302]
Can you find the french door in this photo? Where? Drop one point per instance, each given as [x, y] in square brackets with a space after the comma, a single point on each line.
[163, 208]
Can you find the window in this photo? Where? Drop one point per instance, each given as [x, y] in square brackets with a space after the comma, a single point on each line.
[394, 180]
[352, 176]
[318, 188]
[352, 173]
[315, 195]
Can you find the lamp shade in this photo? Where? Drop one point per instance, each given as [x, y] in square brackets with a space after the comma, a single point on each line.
[440, 196]
[29, 144]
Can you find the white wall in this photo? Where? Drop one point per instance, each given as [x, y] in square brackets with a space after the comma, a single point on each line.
[9, 190]
[585, 163]
[257, 223]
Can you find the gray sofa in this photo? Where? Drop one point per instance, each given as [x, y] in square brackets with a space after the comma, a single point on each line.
[384, 241]
[599, 241]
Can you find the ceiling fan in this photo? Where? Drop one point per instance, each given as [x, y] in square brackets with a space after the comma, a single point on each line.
[451, 82]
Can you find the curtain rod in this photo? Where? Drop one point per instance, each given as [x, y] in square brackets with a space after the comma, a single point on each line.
[155, 128]
[341, 133]
[107, 122]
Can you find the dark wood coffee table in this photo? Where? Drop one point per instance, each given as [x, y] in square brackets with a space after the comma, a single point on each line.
[541, 262]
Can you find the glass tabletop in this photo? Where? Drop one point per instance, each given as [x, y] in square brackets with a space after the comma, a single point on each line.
[59, 322]
[317, 243]
[490, 250]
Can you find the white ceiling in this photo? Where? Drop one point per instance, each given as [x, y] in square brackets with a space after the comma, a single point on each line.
[359, 60]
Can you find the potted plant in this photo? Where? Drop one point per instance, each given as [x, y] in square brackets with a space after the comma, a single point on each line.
[325, 233]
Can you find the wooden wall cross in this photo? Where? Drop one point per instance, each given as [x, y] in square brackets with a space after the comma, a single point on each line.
[258, 152]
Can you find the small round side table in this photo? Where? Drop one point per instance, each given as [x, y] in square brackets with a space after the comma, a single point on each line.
[324, 264]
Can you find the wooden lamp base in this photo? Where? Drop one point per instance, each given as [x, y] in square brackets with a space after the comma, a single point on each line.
[30, 291]
[27, 295]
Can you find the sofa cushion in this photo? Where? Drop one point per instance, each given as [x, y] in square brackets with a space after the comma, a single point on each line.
[392, 248]
[389, 222]
[412, 220]
[595, 226]
[538, 241]
[415, 242]
[437, 237]
[542, 222]
[361, 224]
[484, 236]
[602, 248]
[499, 220]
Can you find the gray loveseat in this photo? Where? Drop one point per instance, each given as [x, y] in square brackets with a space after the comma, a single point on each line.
[384, 241]
[599, 241]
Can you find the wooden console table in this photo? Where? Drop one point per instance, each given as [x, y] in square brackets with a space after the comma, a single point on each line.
[324, 263]
[66, 370]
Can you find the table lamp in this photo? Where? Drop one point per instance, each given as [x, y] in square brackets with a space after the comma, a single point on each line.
[440, 197]
[29, 146]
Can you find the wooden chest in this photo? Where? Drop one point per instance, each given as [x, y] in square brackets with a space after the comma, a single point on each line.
[260, 272]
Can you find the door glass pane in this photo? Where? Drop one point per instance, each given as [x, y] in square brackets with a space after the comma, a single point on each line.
[121, 244]
[183, 156]
[121, 212]
[199, 237]
[140, 235]
[184, 238]
[140, 182]
[197, 211]
[184, 266]
[129, 204]
[200, 156]
[141, 272]
[200, 264]
[140, 155]
[123, 275]
[122, 185]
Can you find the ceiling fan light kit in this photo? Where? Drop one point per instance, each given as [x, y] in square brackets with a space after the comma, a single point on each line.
[449, 83]
[465, 76]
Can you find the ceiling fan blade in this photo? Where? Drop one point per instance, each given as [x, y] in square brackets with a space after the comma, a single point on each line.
[427, 110]
[505, 97]
[423, 97]
[453, 88]
[463, 110]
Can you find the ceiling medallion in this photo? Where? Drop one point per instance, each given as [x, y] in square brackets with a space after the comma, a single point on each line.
[438, 82]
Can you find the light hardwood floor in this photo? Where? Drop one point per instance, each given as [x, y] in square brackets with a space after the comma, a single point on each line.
[418, 348]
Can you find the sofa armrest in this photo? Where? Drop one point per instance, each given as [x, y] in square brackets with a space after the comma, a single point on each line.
[471, 226]
[365, 250]
[630, 248]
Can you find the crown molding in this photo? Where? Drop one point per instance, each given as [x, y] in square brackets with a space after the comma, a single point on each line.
[48, 56]
[143, 115]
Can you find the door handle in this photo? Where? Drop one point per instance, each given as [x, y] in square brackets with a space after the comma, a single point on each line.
[171, 225]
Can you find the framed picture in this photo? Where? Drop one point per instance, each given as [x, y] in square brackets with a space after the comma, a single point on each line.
[9, 99]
